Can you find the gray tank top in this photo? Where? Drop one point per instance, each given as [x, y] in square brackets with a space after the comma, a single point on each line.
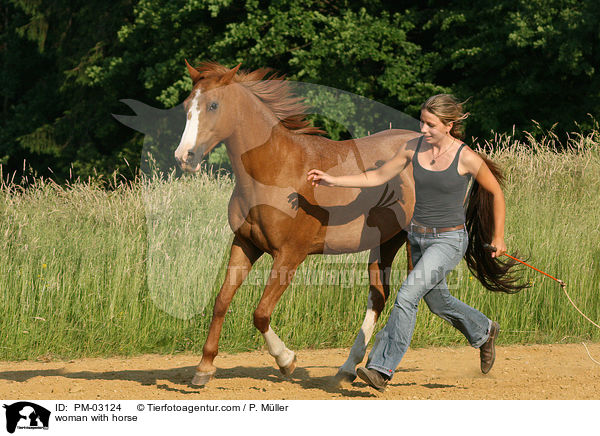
[439, 195]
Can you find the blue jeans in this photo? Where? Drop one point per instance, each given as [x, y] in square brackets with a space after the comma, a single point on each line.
[434, 256]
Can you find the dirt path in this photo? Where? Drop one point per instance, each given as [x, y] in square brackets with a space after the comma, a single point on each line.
[520, 372]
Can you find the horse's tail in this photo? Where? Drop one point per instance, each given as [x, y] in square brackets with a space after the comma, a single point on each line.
[494, 274]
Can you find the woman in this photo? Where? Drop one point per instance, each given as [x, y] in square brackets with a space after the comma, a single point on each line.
[442, 167]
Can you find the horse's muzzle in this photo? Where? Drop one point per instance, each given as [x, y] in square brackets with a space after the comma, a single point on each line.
[189, 163]
[190, 167]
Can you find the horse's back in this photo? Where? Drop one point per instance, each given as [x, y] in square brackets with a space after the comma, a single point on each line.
[370, 151]
[362, 218]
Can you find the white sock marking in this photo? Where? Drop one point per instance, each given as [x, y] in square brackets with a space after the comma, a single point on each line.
[277, 349]
[357, 353]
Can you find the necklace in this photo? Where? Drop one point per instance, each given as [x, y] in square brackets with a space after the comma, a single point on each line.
[437, 157]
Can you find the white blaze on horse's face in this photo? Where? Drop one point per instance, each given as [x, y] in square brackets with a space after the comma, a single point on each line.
[185, 154]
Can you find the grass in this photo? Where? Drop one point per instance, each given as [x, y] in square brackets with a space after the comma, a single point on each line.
[86, 271]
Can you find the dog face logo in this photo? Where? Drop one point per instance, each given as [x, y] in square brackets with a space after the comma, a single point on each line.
[26, 415]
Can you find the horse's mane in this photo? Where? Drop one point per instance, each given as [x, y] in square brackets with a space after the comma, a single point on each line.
[274, 91]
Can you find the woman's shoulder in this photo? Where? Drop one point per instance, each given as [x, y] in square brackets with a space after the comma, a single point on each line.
[468, 153]
[411, 145]
[469, 160]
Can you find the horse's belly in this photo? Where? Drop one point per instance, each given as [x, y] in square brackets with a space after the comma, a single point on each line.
[364, 232]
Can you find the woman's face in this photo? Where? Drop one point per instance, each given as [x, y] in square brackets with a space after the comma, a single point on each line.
[432, 128]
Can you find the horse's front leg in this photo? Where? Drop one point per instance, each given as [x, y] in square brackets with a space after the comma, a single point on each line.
[380, 263]
[242, 257]
[283, 270]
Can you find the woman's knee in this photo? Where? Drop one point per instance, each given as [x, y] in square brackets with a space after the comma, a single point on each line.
[406, 299]
[437, 302]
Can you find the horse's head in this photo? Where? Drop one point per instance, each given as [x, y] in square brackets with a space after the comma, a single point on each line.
[208, 123]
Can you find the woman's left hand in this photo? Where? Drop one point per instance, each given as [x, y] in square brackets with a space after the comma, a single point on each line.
[500, 247]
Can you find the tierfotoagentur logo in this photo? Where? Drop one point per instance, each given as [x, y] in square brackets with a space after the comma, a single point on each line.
[26, 415]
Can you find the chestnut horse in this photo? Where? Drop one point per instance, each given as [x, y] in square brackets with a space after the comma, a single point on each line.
[273, 209]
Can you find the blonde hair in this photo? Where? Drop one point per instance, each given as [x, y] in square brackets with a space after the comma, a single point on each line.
[448, 109]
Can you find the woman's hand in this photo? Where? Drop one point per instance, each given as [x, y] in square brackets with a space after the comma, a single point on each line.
[500, 247]
[319, 177]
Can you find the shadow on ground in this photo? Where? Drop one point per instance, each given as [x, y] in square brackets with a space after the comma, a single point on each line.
[180, 379]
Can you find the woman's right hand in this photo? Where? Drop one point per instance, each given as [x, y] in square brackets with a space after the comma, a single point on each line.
[319, 177]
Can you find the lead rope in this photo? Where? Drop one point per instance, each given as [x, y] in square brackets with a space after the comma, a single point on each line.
[562, 284]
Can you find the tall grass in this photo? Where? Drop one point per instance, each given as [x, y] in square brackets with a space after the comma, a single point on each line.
[86, 271]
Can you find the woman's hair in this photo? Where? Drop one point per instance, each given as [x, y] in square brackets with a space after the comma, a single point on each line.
[493, 273]
[448, 109]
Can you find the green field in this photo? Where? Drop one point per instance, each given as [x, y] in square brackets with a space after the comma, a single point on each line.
[88, 271]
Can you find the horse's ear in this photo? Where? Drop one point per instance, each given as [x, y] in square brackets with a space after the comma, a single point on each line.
[228, 76]
[194, 73]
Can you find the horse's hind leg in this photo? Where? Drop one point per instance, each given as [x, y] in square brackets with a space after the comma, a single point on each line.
[242, 257]
[380, 263]
[282, 272]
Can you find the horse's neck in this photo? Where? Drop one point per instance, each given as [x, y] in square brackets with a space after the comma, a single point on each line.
[266, 157]
[260, 147]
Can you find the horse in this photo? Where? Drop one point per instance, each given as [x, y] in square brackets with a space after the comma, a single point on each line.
[274, 210]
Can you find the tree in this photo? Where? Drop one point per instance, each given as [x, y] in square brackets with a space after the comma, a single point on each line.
[519, 60]
[53, 117]
[66, 64]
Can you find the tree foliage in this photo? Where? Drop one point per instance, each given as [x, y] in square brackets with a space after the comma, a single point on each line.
[66, 64]
[520, 60]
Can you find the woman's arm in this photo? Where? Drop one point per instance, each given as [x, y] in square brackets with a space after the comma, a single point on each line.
[367, 179]
[477, 167]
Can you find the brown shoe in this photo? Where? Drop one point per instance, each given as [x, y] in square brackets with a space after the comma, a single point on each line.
[487, 352]
[373, 378]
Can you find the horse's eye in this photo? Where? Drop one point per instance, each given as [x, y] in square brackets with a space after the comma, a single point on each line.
[213, 106]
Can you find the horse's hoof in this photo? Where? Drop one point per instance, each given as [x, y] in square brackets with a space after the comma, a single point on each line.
[201, 378]
[343, 377]
[288, 370]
